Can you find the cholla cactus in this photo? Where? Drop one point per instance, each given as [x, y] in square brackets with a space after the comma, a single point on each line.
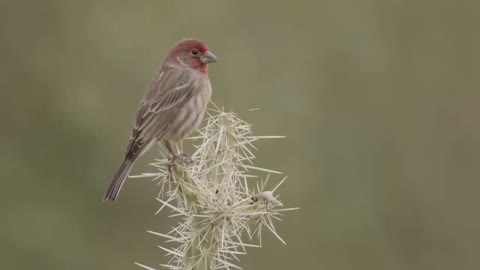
[220, 204]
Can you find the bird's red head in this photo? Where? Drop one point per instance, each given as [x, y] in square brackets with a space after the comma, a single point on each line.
[192, 52]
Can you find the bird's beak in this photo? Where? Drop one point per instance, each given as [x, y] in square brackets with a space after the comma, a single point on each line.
[208, 57]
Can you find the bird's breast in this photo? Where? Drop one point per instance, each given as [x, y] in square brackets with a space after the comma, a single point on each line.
[190, 114]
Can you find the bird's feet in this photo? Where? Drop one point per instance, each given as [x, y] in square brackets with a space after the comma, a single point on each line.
[180, 159]
[187, 160]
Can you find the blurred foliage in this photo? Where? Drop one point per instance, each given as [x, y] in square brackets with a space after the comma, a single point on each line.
[379, 101]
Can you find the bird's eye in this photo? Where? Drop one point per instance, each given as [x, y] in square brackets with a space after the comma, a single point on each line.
[195, 52]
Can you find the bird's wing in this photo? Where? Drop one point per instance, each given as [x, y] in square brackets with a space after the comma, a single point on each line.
[168, 91]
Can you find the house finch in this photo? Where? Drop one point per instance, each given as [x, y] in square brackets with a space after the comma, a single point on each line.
[173, 105]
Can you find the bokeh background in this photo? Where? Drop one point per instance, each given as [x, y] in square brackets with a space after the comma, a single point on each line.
[379, 101]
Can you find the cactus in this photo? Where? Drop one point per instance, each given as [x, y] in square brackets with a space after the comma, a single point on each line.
[219, 201]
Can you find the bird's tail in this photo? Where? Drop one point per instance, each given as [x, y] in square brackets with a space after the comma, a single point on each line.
[118, 180]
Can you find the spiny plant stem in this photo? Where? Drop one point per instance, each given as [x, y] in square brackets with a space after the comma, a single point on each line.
[217, 198]
[199, 252]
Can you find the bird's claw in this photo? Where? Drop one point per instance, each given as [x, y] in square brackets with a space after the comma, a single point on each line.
[187, 160]
[181, 159]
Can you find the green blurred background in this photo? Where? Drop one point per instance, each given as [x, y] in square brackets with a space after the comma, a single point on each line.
[379, 101]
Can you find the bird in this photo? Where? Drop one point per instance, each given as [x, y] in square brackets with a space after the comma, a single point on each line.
[172, 107]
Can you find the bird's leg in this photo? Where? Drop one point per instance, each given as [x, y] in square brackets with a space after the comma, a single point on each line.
[174, 156]
[179, 149]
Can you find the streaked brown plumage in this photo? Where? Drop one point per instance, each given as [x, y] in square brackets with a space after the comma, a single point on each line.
[173, 105]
